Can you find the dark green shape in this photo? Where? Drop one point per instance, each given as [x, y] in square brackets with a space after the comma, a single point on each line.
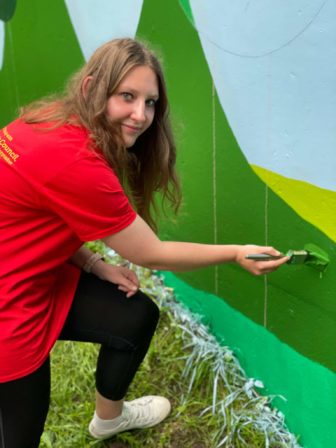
[162, 24]
[41, 52]
[7, 9]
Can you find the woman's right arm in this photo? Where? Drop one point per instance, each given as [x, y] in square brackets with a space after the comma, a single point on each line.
[139, 244]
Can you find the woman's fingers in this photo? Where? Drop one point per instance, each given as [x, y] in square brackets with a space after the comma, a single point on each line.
[129, 293]
[248, 259]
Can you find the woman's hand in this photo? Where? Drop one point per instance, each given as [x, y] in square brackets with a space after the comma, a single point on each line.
[125, 278]
[259, 267]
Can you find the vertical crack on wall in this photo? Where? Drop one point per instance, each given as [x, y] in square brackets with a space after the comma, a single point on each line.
[214, 177]
[12, 64]
[2, 42]
[266, 198]
[266, 244]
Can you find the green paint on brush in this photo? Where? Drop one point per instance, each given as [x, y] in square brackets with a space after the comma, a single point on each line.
[312, 255]
[317, 258]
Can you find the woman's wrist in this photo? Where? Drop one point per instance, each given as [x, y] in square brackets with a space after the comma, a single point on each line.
[232, 254]
[91, 262]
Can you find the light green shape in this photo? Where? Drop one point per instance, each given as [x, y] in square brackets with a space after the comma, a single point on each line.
[308, 388]
[319, 210]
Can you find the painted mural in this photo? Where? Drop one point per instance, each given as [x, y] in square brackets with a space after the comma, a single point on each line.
[273, 86]
[253, 101]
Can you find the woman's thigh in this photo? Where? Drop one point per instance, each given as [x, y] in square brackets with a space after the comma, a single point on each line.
[123, 326]
[102, 313]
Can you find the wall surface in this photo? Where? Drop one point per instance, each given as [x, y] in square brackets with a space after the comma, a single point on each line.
[253, 101]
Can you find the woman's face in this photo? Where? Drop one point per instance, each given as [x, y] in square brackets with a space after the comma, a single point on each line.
[133, 103]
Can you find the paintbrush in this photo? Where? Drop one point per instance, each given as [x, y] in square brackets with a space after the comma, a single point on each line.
[295, 256]
[311, 255]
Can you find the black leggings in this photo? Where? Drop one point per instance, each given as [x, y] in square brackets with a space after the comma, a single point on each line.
[100, 313]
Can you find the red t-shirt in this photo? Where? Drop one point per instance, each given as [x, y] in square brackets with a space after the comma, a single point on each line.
[55, 194]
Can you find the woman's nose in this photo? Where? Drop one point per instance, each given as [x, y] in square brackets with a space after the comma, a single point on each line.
[139, 111]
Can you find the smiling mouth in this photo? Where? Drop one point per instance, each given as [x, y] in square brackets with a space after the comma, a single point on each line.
[132, 128]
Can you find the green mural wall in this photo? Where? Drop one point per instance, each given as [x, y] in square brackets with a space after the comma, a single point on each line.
[226, 202]
[284, 322]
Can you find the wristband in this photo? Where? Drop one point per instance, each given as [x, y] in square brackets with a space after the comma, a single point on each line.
[88, 265]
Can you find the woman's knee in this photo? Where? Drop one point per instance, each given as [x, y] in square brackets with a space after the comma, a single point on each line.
[145, 314]
[148, 309]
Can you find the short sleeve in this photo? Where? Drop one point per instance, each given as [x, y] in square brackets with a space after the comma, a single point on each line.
[88, 197]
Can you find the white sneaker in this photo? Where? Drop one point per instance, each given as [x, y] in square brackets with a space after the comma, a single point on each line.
[140, 413]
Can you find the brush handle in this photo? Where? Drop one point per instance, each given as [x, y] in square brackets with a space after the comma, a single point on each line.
[263, 257]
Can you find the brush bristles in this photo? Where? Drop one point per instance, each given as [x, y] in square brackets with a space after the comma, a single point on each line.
[297, 256]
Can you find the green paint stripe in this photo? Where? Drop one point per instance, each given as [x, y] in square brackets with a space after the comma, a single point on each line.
[308, 387]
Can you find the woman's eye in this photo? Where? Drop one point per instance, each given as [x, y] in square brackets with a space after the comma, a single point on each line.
[127, 96]
[151, 103]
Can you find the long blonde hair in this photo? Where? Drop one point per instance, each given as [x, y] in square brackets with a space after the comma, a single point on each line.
[149, 166]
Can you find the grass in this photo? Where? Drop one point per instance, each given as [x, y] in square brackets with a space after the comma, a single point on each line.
[213, 403]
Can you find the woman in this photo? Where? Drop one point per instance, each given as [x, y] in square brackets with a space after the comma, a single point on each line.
[66, 164]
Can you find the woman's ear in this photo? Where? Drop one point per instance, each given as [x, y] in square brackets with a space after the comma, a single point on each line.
[85, 85]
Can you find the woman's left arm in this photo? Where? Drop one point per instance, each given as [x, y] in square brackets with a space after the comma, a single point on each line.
[126, 279]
